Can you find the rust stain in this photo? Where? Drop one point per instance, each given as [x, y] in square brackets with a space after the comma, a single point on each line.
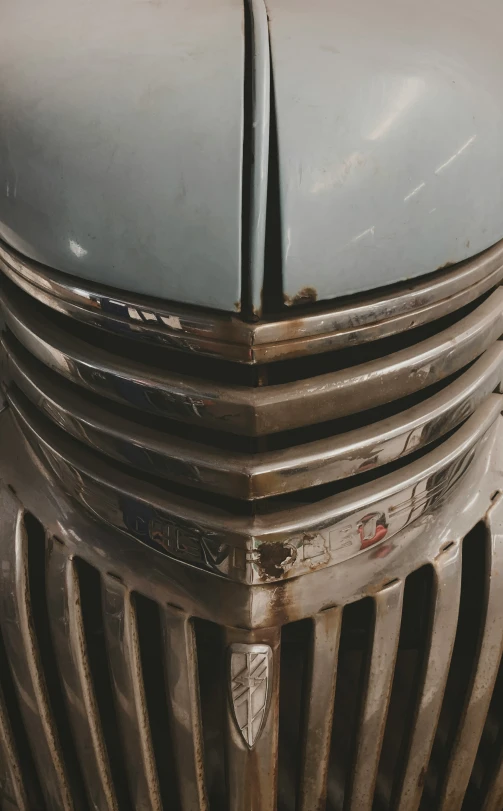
[307, 295]
[275, 559]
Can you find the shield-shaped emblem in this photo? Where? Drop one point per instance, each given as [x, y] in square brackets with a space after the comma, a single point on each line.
[250, 673]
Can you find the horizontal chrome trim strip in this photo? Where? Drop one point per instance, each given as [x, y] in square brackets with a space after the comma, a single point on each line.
[264, 474]
[367, 318]
[263, 410]
[259, 548]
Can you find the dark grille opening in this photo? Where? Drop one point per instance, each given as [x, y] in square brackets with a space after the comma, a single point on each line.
[92, 615]
[210, 646]
[464, 659]
[410, 665]
[272, 293]
[295, 654]
[354, 655]
[152, 662]
[40, 618]
[29, 774]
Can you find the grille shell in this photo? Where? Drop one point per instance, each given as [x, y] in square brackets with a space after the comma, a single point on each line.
[156, 518]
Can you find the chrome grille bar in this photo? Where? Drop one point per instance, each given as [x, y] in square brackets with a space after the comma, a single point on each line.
[121, 633]
[63, 593]
[384, 646]
[320, 692]
[22, 648]
[446, 585]
[183, 701]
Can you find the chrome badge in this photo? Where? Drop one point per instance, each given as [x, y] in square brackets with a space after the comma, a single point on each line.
[250, 672]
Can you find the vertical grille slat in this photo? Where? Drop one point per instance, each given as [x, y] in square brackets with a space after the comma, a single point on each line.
[319, 709]
[252, 771]
[12, 789]
[22, 648]
[471, 724]
[121, 632]
[183, 701]
[63, 591]
[447, 586]
[377, 692]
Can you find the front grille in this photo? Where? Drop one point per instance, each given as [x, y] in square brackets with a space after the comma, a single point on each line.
[130, 698]
[333, 482]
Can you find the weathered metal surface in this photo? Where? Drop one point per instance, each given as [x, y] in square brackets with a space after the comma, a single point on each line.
[485, 669]
[121, 161]
[367, 318]
[121, 631]
[300, 538]
[261, 475]
[389, 157]
[447, 584]
[183, 701]
[264, 605]
[252, 761]
[22, 647]
[377, 692]
[262, 410]
[65, 611]
[12, 789]
[320, 691]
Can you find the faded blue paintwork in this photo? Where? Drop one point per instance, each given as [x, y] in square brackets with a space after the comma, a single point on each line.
[390, 122]
[121, 142]
[121, 138]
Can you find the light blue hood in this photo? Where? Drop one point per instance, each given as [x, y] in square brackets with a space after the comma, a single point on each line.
[121, 141]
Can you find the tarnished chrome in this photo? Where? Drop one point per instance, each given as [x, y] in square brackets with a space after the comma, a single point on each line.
[12, 789]
[71, 649]
[222, 335]
[129, 495]
[183, 701]
[485, 669]
[21, 643]
[377, 691]
[261, 548]
[265, 474]
[124, 655]
[447, 584]
[258, 608]
[319, 709]
[262, 410]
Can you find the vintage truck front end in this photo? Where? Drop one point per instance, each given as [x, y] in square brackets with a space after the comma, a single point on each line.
[251, 468]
